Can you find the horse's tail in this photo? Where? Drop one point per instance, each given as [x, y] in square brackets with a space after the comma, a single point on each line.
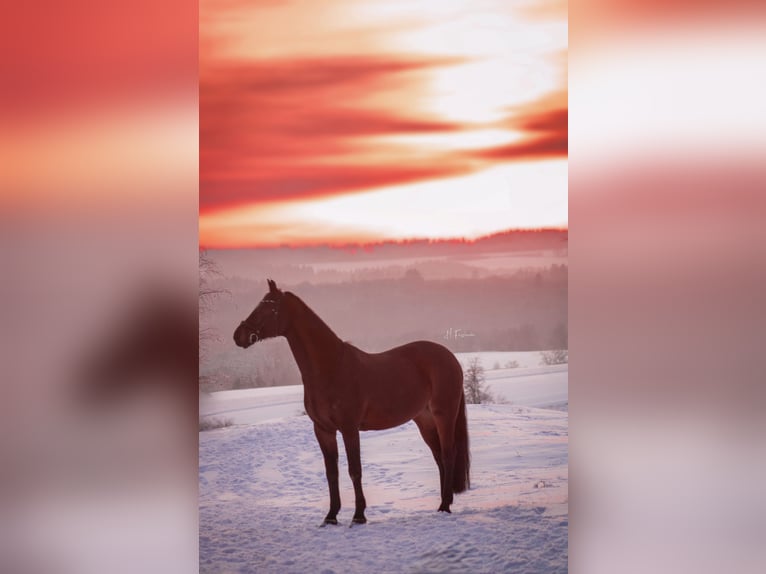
[462, 473]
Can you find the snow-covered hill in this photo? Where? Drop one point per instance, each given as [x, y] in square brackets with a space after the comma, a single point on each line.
[529, 385]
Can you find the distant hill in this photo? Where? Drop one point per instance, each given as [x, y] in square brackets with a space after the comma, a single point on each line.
[498, 254]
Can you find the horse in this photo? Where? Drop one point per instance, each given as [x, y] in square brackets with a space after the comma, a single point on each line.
[348, 390]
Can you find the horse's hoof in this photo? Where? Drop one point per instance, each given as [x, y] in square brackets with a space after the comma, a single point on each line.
[359, 520]
[333, 521]
[446, 509]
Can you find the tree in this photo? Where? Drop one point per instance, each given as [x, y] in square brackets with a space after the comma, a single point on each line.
[474, 384]
[208, 271]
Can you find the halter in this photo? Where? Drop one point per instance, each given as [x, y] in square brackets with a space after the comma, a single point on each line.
[255, 330]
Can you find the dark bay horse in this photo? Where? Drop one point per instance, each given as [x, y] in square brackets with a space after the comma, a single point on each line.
[348, 390]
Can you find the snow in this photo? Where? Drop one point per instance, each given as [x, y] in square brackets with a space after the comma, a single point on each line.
[528, 385]
[263, 491]
[488, 359]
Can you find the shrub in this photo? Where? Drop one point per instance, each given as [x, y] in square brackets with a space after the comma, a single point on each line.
[210, 423]
[559, 357]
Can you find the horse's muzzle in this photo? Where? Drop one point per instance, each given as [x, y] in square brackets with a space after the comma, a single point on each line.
[244, 336]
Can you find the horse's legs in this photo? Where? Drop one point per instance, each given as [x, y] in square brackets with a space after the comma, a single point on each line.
[353, 451]
[329, 445]
[427, 427]
[445, 426]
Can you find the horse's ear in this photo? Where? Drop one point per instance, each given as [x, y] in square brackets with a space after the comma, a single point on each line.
[272, 286]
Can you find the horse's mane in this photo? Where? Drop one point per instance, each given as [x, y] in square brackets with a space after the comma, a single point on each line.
[311, 316]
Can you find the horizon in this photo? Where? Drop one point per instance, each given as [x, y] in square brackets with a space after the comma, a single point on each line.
[380, 122]
[370, 246]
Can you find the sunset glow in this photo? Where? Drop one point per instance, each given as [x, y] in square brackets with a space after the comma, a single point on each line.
[358, 121]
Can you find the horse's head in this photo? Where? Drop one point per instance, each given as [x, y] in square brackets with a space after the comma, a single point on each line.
[267, 320]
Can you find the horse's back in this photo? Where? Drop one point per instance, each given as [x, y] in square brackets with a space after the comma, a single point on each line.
[429, 351]
[436, 365]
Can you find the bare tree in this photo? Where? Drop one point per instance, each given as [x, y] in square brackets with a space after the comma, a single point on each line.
[208, 272]
[474, 385]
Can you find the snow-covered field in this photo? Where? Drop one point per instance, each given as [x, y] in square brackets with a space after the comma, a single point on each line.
[263, 491]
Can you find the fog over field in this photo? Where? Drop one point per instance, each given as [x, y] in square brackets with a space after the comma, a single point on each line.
[498, 254]
[504, 293]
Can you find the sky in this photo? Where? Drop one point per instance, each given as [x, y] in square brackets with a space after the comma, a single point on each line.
[340, 121]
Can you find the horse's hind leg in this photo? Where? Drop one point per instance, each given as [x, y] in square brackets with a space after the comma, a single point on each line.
[427, 428]
[353, 451]
[329, 445]
[445, 426]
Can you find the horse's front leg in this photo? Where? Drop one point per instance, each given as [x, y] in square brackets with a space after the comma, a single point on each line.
[329, 445]
[353, 451]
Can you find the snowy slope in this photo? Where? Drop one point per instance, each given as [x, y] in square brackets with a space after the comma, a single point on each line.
[528, 385]
[263, 491]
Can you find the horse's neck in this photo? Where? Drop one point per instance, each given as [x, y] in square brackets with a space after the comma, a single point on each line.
[315, 347]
